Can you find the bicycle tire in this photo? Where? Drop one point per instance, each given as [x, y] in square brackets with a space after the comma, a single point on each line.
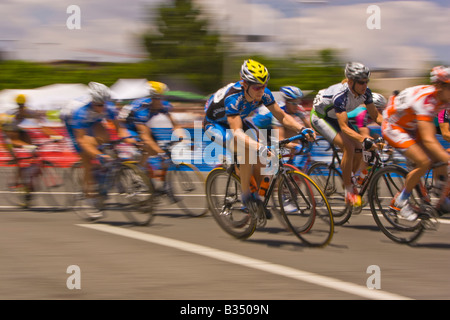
[48, 187]
[226, 205]
[188, 186]
[330, 181]
[132, 193]
[312, 220]
[275, 201]
[14, 188]
[385, 184]
[82, 203]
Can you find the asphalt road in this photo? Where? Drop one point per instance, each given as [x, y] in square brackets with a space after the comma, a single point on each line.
[55, 255]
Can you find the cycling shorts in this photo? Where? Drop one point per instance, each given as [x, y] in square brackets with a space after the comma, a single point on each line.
[327, 127]
[397, 136]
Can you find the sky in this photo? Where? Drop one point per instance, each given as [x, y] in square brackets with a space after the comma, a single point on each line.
[409, 34]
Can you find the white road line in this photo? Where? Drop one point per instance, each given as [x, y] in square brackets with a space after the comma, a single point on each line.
[251, 263]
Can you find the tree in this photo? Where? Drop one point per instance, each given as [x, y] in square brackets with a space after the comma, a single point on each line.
[183, 45]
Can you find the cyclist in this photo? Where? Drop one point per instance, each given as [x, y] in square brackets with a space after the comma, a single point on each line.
[16, 137]
[135, 117]
[230, 107]
[87, 128]
[291, 104]
[359, 118]
[409, 127]
[329, 118]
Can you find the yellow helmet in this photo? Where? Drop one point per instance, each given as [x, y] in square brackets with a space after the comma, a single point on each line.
[254, 72]
[157, 88]
[21, 99]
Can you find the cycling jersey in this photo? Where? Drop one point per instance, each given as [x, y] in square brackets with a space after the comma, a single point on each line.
[359, 117]
[413, 104]
[444, 116]
[338, 98]
[85, 118]
[139, 112]
[230, 100]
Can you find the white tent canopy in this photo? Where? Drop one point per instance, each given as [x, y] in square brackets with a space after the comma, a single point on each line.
[51, 97]
[128, 89]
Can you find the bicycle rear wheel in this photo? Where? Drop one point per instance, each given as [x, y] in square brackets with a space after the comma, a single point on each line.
[311, 219]
[132, 193]
[330, 181]
[188, 186]
[385, 184]
[223, 193]
[48, 187]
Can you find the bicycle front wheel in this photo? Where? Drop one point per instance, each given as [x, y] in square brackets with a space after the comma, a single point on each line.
[385, 184]
[133, 193]
[223, 192]
[330, 181]
[305, 209]
[188, 187]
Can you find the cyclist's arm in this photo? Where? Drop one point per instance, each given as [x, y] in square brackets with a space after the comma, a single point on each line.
[305, 120]
[374, 114]
[85, 143]
[445, 130]
[285, 119]
[343, 124]
[427, 132]
[145, 134]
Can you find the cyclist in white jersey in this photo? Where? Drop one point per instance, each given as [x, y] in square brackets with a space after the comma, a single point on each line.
[329, 118]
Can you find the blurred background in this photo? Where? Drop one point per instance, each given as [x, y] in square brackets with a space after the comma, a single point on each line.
[197, 46]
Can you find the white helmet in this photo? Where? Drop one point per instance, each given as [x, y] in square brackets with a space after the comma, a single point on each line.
[356, 71]
[440, 74]
[99, 92]
[379, 100]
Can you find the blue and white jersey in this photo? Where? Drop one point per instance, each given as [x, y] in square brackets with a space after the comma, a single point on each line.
[338, 98]
[85, 117]
[139, 112]
[230, 100]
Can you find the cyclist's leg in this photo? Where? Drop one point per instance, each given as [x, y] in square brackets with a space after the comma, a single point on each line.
[330, 130]
[406, 144]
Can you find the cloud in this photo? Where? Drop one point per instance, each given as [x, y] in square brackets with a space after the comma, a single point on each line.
[412, 32]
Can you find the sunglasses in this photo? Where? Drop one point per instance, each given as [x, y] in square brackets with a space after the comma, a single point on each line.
[258, 88]
[361, 82]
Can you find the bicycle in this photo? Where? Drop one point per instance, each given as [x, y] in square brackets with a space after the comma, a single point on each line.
[119, 186]
[311, 221]
[182, 183]
[386, 183]
[33, 181]
[329, 177]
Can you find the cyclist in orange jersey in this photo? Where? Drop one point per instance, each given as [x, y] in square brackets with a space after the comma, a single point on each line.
[409, 127]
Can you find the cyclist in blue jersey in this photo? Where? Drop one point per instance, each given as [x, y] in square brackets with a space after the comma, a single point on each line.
[87, 130]
[226, 120]
[329, 117]
[135, 117]
[291, 104]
